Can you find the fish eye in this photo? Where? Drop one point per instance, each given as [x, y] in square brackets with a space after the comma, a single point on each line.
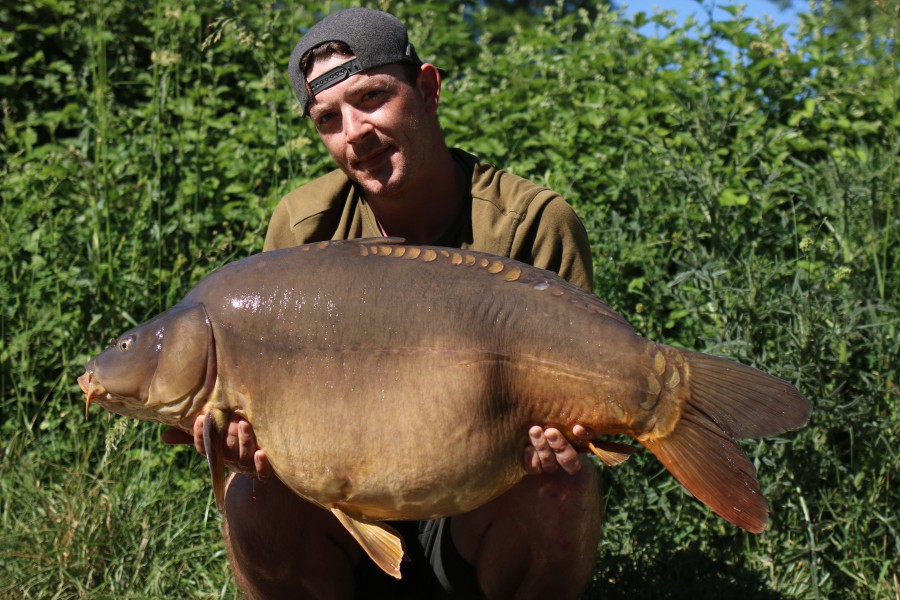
[124, 344]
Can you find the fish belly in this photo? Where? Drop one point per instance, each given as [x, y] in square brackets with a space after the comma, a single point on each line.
[399, 434]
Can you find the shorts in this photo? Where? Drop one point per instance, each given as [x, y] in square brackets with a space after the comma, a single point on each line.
[433, 569]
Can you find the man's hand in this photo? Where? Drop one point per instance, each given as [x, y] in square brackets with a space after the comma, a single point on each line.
[550, 450]
[241, 451]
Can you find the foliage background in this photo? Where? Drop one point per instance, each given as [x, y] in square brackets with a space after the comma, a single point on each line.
[741, 196]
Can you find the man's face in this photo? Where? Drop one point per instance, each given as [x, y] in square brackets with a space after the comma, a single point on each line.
[376, 125]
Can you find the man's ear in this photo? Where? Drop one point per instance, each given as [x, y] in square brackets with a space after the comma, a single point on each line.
[429, 85]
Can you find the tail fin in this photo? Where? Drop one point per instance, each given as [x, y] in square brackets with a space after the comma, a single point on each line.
[727, 401]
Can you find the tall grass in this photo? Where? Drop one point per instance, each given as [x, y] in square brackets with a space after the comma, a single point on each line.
[740, 196]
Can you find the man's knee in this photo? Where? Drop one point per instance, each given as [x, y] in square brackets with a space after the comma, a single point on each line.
[540, 536]
[282, 546]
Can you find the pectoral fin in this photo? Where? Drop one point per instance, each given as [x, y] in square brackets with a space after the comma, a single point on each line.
[214, 430]
[611, 453]
[380, 541]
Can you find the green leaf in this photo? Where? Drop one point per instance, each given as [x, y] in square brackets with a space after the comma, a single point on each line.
[729, 197]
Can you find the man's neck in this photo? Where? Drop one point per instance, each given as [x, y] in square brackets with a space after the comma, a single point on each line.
[424, 212]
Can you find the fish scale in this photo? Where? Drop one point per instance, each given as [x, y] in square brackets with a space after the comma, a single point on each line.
[387, 381]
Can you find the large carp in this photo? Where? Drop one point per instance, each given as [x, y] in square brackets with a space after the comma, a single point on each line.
[388, 381]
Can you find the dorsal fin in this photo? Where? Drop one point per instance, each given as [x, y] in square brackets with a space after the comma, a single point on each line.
[390, 241]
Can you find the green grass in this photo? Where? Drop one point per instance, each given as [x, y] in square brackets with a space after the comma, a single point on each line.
[739, 201]
[129, 525]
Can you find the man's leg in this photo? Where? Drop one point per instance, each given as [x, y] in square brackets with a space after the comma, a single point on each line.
[281, 546]
[538, 540]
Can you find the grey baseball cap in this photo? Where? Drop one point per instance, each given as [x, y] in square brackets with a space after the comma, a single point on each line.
[376, 38]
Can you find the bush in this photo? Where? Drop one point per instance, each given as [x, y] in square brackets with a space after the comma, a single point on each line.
[740, 196]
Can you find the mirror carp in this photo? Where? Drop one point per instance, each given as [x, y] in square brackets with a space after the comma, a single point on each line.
[387, 381]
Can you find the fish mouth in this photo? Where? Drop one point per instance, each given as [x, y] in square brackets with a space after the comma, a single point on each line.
[91, 389]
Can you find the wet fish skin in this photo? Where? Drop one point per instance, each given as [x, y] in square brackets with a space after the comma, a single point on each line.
[398, 382]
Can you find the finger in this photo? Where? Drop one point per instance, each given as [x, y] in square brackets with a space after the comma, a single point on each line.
[261, 462]
[246, 443]
[174, 436]
[583, 433]
[198, 433]
[545, 454]
[232, 438]
[531, 462]
[565, 454]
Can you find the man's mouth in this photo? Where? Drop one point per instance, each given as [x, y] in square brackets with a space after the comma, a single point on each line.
[372, 159]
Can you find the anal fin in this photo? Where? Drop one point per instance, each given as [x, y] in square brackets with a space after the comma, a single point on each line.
[380, 541]
[612, 454]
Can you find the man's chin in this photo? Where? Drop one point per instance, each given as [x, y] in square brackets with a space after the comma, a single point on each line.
[374, 186]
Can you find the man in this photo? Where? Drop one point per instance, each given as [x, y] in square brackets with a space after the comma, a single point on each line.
[374, 104]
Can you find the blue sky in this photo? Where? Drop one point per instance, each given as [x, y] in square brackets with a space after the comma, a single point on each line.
[684, 8]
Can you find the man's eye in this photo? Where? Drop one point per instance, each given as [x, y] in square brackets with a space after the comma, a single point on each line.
[324, 119]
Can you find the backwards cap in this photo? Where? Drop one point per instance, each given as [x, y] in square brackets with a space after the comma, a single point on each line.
[376, 38]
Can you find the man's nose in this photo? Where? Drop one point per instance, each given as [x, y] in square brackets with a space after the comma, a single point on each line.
[356, 124]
